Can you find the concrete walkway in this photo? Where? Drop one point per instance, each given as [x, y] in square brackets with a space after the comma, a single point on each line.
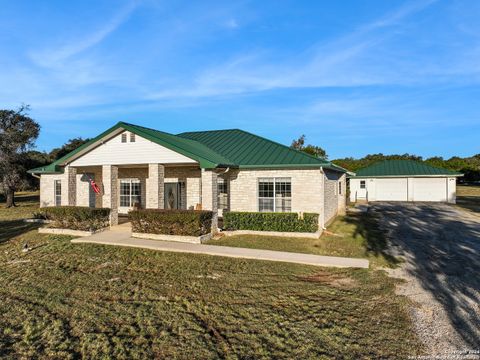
[120, 236]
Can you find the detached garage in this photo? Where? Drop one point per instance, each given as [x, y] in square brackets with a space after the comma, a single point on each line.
[403, 180]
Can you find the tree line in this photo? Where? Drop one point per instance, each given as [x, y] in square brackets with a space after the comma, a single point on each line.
[469, 166]
[18, 133]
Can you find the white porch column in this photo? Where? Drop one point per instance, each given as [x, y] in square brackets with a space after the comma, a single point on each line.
[155, 186]
[71, 175]
[110, 191]
[210, 196]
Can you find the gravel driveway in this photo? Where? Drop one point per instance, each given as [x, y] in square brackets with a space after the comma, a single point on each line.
[441, 247]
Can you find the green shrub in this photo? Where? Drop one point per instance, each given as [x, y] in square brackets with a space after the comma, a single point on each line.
[77, 217]
[263, 221]
[171, 222]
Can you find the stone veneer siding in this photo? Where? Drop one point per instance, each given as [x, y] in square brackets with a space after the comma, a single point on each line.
[191, 176]
[342, 198]
[332, 198]
[307, 188]
[307, 195]
[47, 195]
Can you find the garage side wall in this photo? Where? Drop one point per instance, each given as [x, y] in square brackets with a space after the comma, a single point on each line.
[452, 190]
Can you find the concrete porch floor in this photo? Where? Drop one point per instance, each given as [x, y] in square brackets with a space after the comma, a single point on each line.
[120, 235]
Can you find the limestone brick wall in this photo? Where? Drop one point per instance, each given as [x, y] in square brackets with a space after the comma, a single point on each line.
[191, 176]
[85, 195]
[155, 187]
[306, 188]
[342, 198]
[47, 189]
[209, 193]
[110, 191]
[331, 194]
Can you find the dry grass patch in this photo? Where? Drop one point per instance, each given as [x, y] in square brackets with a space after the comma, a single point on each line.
[68, 301]
[468, 197]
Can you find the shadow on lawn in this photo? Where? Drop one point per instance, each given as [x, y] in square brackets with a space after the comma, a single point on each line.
[375, 243]
[443, 253]
[13, 228]
[471, 203]
[19, 199]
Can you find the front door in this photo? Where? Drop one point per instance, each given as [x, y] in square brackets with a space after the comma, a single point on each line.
[130, 195]
[171, 196]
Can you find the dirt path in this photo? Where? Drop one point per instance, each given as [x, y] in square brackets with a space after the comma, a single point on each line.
[441, 248]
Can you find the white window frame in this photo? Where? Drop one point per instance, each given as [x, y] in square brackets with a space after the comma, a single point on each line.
[274, 180]
[130, 196]
[364, 184]
[57, 192]
[124, 137]
[222, 196]
[339, 188]
[132, 137]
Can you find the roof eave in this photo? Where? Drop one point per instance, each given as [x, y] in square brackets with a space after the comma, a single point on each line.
[405, 176]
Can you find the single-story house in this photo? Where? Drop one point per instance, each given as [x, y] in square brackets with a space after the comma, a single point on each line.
[403, 180]
[222, 170]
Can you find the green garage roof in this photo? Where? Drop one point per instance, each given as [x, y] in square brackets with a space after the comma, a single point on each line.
[388, 168]
[211, 149]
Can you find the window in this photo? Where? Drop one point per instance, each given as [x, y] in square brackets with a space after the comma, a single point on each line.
[132, 137]
[124, 137]
[58, 192]
[339, 188]
[274, 195]
[130, 192]
[222, 186]
[362, 184]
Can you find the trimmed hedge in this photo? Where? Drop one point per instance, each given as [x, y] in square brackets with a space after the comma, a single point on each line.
[171, 222]
[264, 221]
[77, 217]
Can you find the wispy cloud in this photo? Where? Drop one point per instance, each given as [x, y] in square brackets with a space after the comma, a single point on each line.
[231, 23]
[341, 62]
[54, 57]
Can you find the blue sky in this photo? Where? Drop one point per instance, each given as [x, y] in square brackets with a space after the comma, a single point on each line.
[355, 77]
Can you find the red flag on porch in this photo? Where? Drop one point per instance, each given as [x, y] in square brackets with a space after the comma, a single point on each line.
[94, 186]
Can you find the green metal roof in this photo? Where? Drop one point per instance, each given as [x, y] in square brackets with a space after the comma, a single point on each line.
[388, 168]
[247, 150]
[211, 149]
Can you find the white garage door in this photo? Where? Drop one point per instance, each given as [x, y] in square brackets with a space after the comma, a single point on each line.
[391, 189]
[430, 189]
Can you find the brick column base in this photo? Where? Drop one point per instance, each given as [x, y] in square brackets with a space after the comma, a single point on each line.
[110, 191]
[155, 186]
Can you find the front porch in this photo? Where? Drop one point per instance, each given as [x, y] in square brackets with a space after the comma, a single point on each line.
[148, 186]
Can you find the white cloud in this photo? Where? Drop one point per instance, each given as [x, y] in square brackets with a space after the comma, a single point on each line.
[232, 24]
[55, 57]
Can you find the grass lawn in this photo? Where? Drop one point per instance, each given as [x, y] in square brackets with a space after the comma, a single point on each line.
[61, 300]
[353, 235]
[468, 197]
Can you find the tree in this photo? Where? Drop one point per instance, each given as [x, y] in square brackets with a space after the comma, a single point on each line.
[71, 145]
[313, 150]
[18, 133]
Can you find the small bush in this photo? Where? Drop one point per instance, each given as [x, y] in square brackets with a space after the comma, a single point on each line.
[263, 221]
[77, 217]
[171, 222]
